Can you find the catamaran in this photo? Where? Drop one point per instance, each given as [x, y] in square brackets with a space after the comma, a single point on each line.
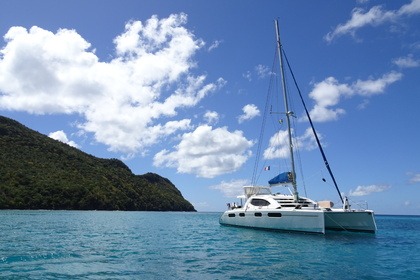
[292, 212]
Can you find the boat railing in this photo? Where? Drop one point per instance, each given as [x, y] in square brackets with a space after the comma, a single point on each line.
[359, 205]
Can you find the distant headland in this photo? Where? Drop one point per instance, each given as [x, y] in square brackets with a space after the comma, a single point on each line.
[37, 172]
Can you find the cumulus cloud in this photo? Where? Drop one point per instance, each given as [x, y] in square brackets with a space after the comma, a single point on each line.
[407, 62]
[207, 152]
[377, 15]
[128, 103]
[328, 93]
[62, 137]
[211, 117]
[278, 146]
[233, 188]
[250, 111]
[375, 86]
[366, 190]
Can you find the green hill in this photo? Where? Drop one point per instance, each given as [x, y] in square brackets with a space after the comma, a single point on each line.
[37, 172]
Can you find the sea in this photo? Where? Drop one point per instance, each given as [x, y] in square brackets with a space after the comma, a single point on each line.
[178, 245]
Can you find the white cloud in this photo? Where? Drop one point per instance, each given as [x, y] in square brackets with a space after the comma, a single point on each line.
[406, 62]
[278, 146]
[62, 137]
[410, 9]
[262, 71]
[375, 16]
[247, 75]
[233, 188]
[415, 46]
[215, 45]
[363, 105]
[328, 93]
[207, 152]
[372, 87]
[366, 190]
[128, 103]
[415, 178]
[211, 117]
[250, 112]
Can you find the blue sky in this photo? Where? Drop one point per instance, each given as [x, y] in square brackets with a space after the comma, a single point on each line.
[179, 87]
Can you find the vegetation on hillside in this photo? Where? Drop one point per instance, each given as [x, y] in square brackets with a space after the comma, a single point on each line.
[37, 172]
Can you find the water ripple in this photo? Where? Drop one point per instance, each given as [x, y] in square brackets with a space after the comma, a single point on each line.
[150, 245]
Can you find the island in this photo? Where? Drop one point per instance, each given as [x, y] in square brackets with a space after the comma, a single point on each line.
[37, 172]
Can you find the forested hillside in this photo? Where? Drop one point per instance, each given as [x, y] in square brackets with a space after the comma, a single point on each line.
[37, 172]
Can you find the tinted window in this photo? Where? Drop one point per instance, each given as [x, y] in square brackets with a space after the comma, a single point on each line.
[259, 202]
[274, 214]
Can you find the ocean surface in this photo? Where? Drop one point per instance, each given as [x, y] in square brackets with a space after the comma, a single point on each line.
[168, 245]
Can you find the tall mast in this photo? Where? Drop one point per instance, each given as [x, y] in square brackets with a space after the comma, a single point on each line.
[288, 113]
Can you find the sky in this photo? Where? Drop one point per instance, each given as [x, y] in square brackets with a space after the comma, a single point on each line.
[179, 88]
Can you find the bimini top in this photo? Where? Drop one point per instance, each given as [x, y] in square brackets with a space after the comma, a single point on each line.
[255, 190]
[282, 178]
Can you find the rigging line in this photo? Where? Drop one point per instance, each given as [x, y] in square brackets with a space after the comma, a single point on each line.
[261, 136]
[259, 174]
[327, 165]
[294, 139]
[299, 160]
[334, 221]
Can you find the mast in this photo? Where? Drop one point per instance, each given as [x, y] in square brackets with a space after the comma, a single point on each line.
[288, 113]
[327, 165]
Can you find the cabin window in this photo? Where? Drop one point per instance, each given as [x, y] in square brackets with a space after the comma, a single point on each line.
[241, 214]
[274, 215]
[259, 202]
[231, 215]
[257, 214]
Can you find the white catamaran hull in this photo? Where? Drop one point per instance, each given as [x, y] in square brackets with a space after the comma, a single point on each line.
[350, 220]
[293, 212]
[287, 220]
[311, 221]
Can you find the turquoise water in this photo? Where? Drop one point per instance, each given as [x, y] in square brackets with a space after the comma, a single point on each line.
[159, 245]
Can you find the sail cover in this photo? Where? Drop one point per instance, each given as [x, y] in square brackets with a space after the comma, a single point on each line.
[282, 178]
